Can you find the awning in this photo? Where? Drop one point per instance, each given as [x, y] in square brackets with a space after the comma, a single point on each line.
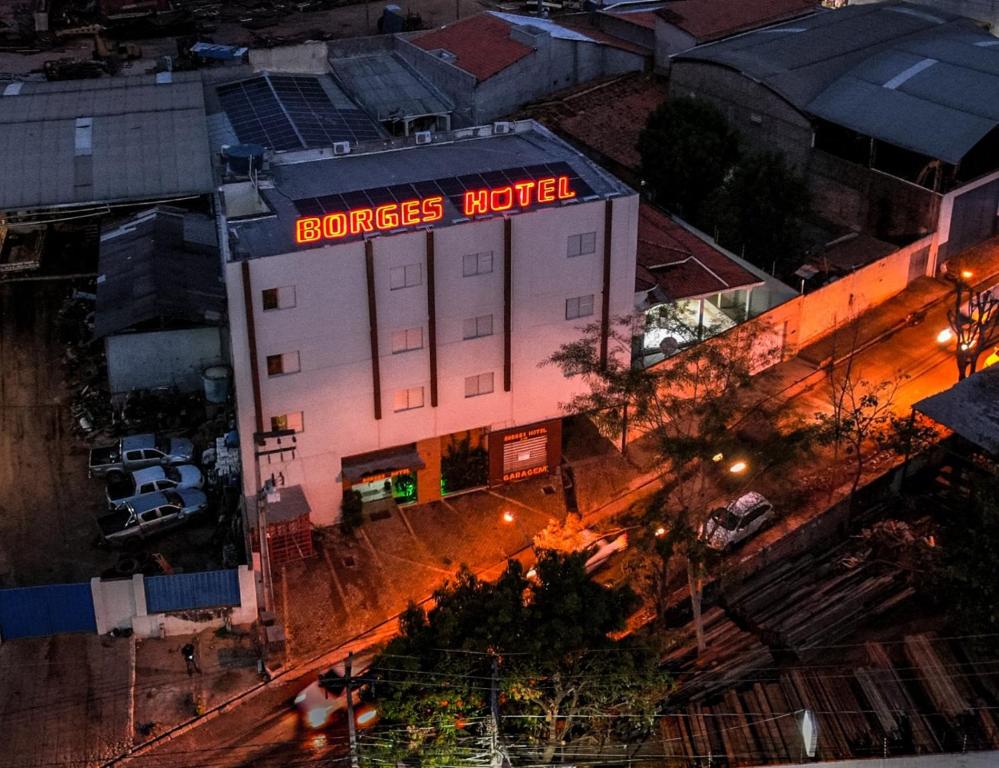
[359, 468]
[970, 408]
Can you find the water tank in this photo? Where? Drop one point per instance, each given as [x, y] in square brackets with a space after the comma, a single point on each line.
[240, 158]
[216, 381]
[392, 20]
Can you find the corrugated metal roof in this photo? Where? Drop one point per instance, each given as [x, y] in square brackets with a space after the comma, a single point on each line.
[970, 408]
[387, 87]
[913, 78]
[161, 266]
[189, 591]
[148, 141]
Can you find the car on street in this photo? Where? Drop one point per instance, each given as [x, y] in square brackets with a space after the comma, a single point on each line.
[139, 451]
[731, 525]
[320, 701]
[124, 488]
[151, 514]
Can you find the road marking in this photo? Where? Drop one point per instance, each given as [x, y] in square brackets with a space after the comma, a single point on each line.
[371, 547]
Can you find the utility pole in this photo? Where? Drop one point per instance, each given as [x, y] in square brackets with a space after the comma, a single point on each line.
[351, 727]
[495, 756]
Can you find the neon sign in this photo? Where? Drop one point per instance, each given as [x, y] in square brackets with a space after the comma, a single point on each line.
[409, 213]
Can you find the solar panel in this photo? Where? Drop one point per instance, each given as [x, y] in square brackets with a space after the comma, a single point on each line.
[451, 188]
[285, 112]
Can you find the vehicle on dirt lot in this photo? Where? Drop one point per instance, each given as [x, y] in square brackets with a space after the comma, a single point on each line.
[731, 525]
[151, 514]
[123, 488]
[319, 702]
[139, 451]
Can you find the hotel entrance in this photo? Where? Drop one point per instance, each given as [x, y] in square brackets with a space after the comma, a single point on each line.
[386, 475]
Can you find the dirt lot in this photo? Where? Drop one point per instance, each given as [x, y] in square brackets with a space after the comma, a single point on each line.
[47, 503]
[67, 700]
[348, 21]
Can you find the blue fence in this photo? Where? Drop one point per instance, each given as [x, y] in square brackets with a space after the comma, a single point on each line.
[190, 591]
[49, 610]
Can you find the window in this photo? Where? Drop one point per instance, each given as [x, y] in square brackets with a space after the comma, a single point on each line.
[293, 421]
[580, 245]
[479, 385]
[579, 306]
[409, 339]
[477, 264]
[408, 399]
[475, 327]
[405, 277]
[279, 298]
[278, 365]
[150, 517]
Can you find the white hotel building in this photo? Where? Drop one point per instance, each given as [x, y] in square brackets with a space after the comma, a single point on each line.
[376, 315]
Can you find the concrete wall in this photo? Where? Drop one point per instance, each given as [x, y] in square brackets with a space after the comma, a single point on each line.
[940, 250]
[670, 40]
[121, 604]
[455, 83]
[162, 358]
[869, 200]
[780, 127]
[329, 328]
[626, 30]
[308, 57]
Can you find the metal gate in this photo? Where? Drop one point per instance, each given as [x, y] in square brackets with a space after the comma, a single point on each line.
[49, 610]
[973, 218]
[190, 591]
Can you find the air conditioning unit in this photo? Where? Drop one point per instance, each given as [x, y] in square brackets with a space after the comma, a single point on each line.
[424, 137]
[502, 127]
[341, 147]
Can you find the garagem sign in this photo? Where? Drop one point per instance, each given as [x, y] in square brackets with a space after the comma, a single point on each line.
[474, 202]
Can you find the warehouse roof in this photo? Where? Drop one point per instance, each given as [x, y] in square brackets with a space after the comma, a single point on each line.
[708, 20]
[160, 266]
[386, 86]
[104, 140]
[682, 265]
[315, 183]
[970, 408]
[914, 77]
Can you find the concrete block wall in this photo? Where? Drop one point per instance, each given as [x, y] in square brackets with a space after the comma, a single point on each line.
[121, 604]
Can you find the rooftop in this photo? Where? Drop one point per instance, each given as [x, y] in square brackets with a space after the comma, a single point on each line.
[387, 87]
[970, 408]
[104, 140]
[606, 117]
[287, 112]
[707, 20]
[313, 183]
[917, 78]
[158, 268]
[681, 264]
[482, 44]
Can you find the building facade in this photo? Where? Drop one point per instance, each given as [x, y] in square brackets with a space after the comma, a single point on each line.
[392, 307]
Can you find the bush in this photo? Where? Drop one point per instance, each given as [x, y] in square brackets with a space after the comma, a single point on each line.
[351, 507]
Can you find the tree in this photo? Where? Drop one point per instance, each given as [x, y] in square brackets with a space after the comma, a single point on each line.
[687, 148]
[760, 209]
[974, 321]
[685, 408]
[561, 679]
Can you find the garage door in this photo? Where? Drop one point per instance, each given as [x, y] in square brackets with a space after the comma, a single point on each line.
[50, 610]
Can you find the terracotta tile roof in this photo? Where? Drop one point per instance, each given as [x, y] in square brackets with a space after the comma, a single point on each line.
[481, 44]
[680, 263]
[710, 20]
[605, 117]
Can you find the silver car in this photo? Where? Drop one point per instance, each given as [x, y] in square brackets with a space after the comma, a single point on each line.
[731, 525]
[150, 514]
[151, 480]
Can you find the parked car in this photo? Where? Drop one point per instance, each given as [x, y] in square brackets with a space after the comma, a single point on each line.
[122, 488]
[321, 700]
[731, 525]
[151, 514]
[139, 451]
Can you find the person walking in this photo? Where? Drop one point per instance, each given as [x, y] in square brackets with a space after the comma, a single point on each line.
[189, 658]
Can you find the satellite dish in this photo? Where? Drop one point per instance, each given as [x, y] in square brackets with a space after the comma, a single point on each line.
[669, 346]
[809, 731]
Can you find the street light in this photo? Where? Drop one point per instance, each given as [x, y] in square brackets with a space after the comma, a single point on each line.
[967, 274]
[508, 516]
[660, 532]
[944, 336]
[738, 468]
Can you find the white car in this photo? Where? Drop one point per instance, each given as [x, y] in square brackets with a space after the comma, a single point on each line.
[318, 702]
[150, 480]
[728, 526]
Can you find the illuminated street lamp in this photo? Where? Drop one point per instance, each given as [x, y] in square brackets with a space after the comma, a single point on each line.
[967, 274]
[738, 468]
[945, 335]
[660, 532]
[508, 516]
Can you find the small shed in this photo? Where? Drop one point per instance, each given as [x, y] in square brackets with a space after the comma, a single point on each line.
[160, 301]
